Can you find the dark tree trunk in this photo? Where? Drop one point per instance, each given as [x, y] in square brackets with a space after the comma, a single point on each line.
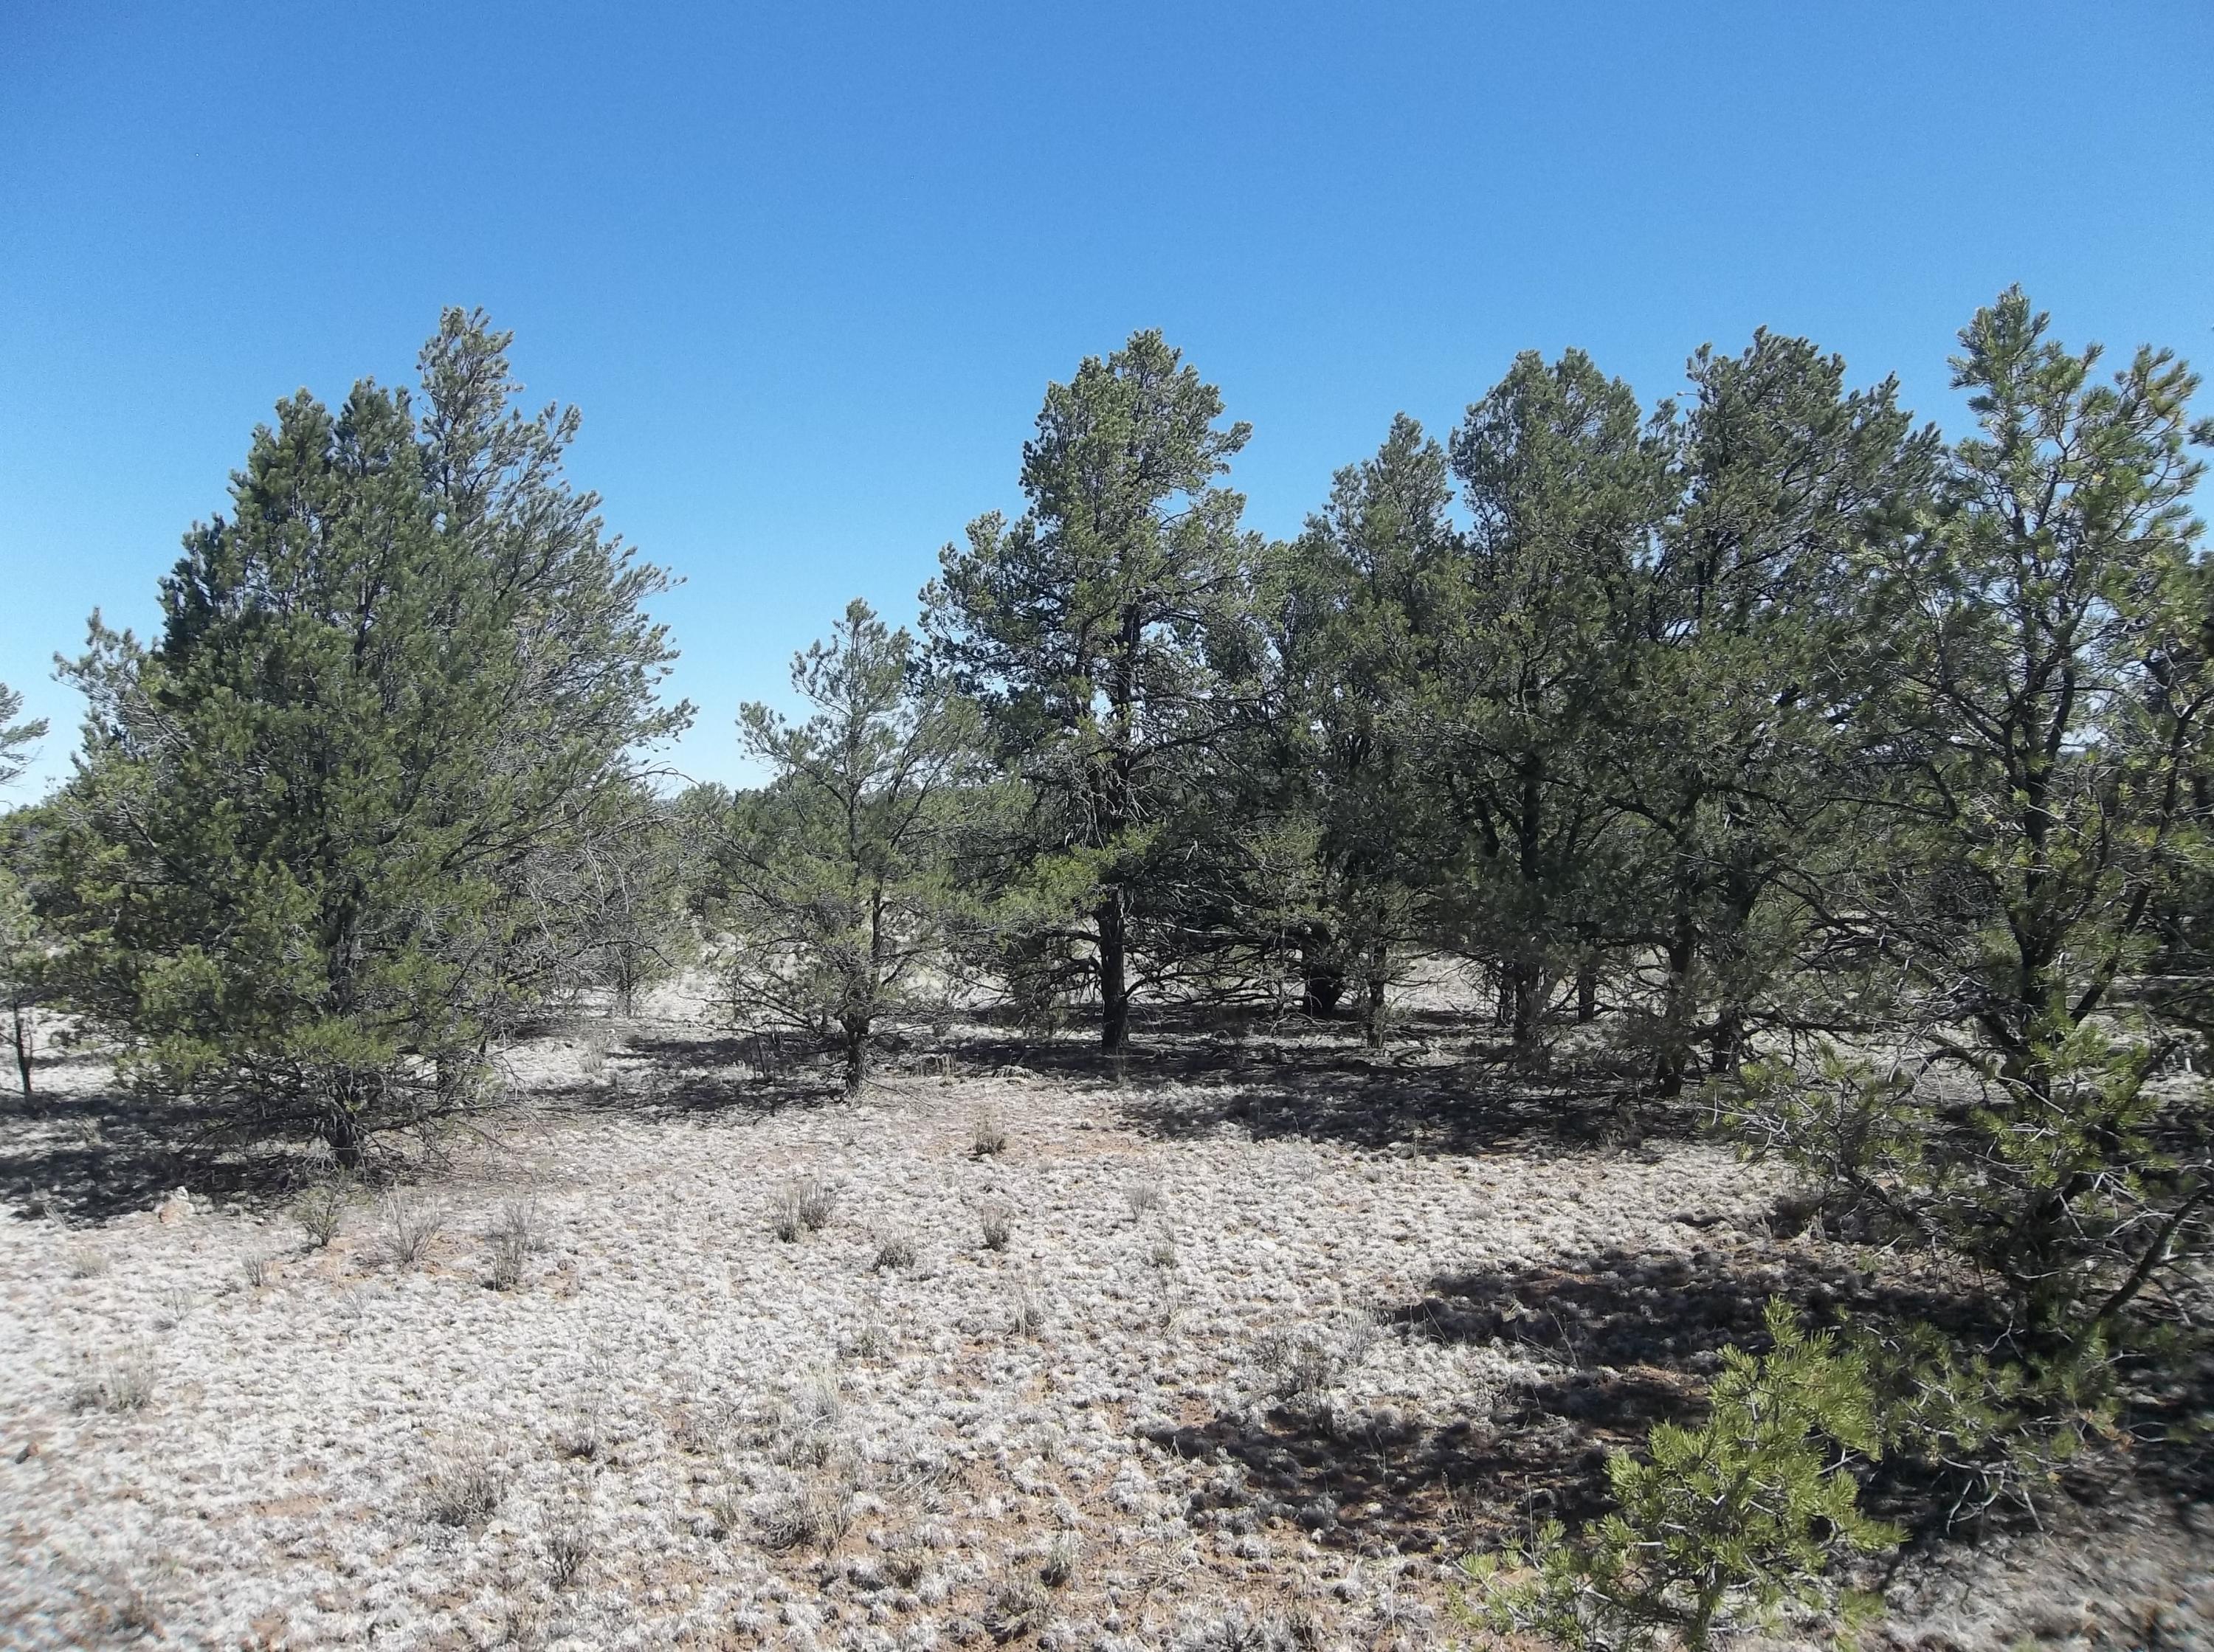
[25, 1036]
[1114, 975]
[1676, 1015]
[857, 1056]
[1322, 982]
[342, 1130]
[1528, 984]
[1587, 991]
[1372, 1020]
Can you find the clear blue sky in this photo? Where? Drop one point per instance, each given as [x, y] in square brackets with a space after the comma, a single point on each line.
[807, 269]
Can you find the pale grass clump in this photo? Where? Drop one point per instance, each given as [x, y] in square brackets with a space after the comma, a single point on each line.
[464, 1491]
[1029, 1312]
[987, 1133]
[803, 1206]
[86, 1263]
[818, 1513]
[411, 1224]
[1057, 1568]
[1143, 1197]
[998, 1225]
[122, 1382]
[895, 1253]
[259, 1270]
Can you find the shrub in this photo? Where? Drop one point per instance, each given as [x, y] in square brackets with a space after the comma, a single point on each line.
[1143, 1196]
[258, 1270]
[999, 1224]
[410, 1226]
[568, 1547]
[895, 1253]
[1726, 1523]
[321, 1206]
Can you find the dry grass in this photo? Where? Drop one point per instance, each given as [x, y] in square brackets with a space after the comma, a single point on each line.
[322, 1207]
[464, 1492]
[804, 1205]
[987, 1133]
[117, 1382]
[412, 1223]
[1162, 1426]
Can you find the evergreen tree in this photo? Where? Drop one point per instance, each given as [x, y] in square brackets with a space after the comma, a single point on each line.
[1528, 627]
[399, 681]
[1108, 633]
[838, 871]
[1346, 623]
[14, 736]
[2049, 693]
[1732, 750]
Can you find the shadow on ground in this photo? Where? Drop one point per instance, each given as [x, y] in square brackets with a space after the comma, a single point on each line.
[87, 1156]
[1629, 1340]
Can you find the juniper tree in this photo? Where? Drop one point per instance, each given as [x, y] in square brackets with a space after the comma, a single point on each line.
[838, 872]
[408, 672]
[1107, 634]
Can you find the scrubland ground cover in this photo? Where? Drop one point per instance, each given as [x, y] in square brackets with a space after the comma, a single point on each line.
[1276, 1329]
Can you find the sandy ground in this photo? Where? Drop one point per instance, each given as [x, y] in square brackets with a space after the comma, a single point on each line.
[1272, 1332]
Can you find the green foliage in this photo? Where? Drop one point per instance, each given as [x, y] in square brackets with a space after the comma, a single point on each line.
[393, 700]
[839, 872]
[14, 736]
[1525, 624]
[1342, 616]
[1722, 1525]
[1108, 634]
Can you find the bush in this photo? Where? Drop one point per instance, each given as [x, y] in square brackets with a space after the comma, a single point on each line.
[321, 1206]
[1726, 1523]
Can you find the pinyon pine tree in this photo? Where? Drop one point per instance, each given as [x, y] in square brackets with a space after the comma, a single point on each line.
[837, 873]
[1107, 633]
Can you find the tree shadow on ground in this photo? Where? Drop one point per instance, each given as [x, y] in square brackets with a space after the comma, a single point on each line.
[1627, 1340]
[89, 1156]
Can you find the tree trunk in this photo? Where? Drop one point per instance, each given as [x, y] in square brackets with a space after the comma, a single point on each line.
[857, 1056]
[1675, 1016]
[1726, 1051]
[1587, 990]
[342, 1130]
[1321, 978]
[1372, 1020]
[1528, 983]
[25, 1036]
[1114, 974]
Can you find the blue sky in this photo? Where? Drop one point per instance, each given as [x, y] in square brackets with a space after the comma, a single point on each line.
[807, 269]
